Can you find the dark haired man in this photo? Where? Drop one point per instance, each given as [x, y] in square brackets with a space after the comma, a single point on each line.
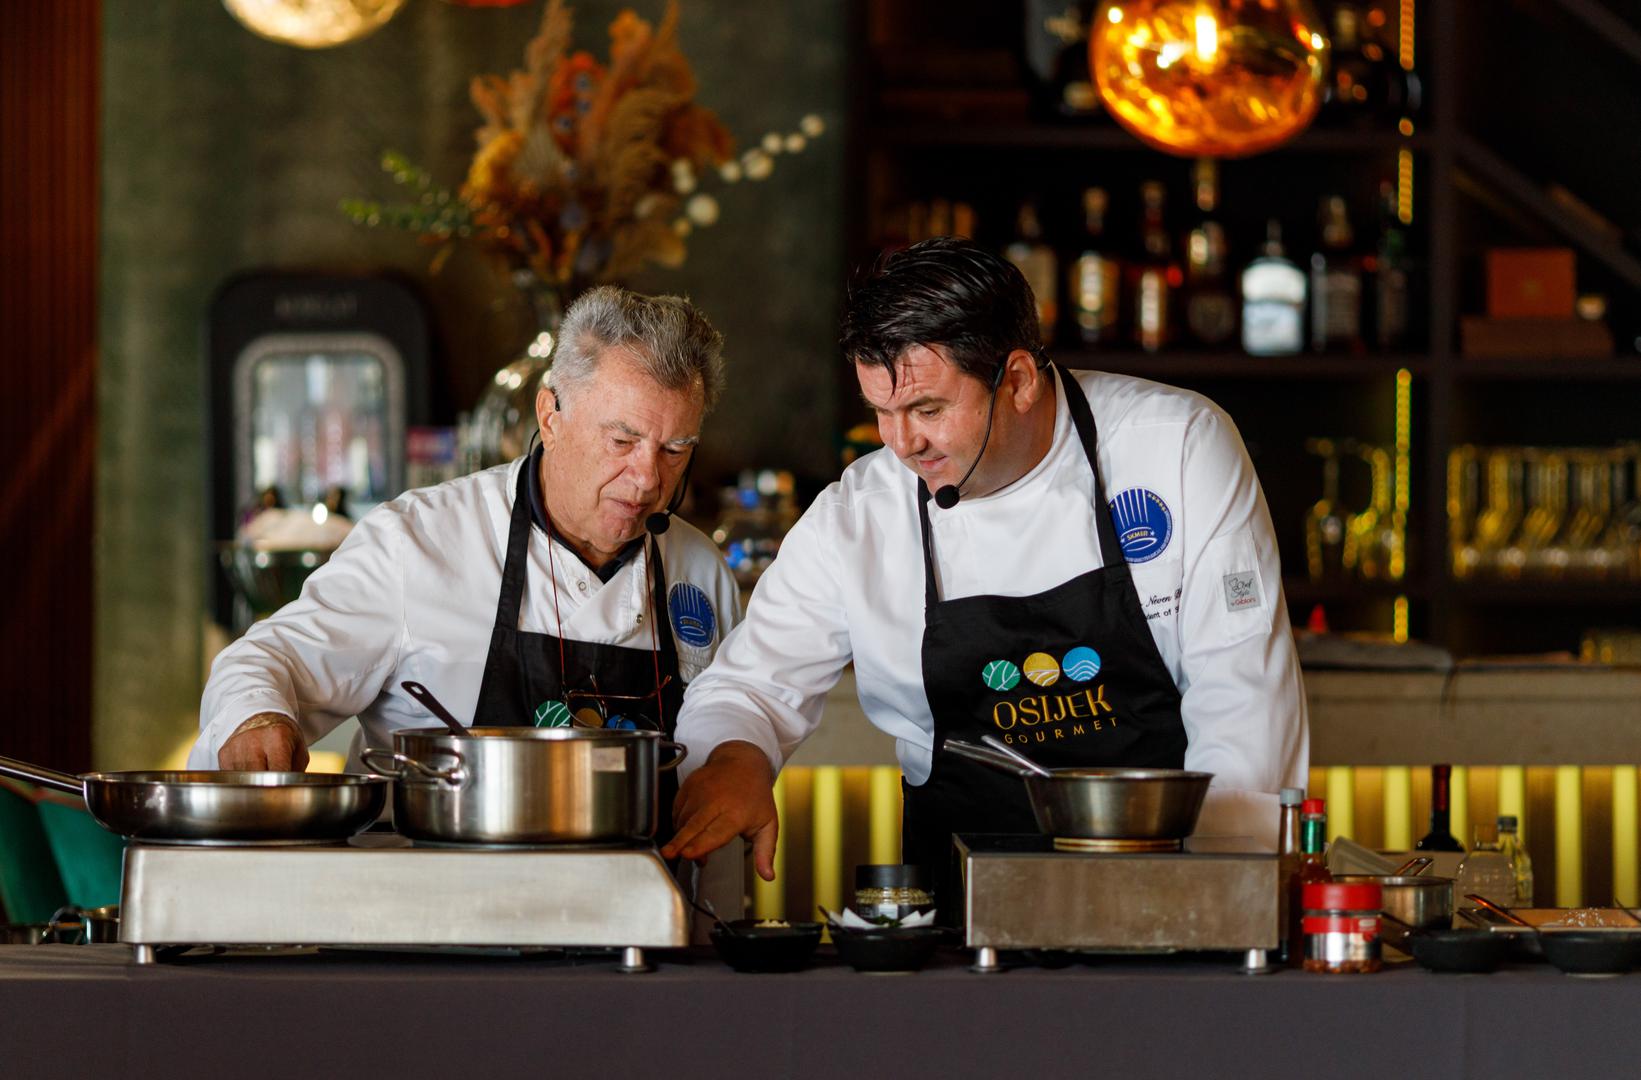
[1079, 564]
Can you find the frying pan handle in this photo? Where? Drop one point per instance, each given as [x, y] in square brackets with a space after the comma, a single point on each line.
[38, 774]
[452, 776]
[677, 759]
[986, 756]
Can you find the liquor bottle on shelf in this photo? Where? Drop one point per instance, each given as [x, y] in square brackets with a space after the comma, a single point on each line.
[1367, 86]
[1440, 836]
[1210, 310]
[1326, 533]
[1056, 54]
[1154, 275]
[1096, 277]
[1273, 301]
[1390, 275]
[1336, 283]
[1036, 262]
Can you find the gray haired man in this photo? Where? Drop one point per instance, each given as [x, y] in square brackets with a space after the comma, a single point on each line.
[546, 592]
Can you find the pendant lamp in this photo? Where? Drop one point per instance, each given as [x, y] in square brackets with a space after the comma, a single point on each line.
[312, 24]
[1209, 78]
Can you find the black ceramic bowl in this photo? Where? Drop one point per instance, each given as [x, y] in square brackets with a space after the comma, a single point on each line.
[901, 948]
[1473, 952]
[1591, 952]
[746, 946]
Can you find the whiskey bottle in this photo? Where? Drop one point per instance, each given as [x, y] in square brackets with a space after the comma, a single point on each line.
[1154, 275]
[1095, 281]
[1273, 300]
[1036, 262]
[1390, 275]
[1210, 310]
[1336, 283]
[1056, 55]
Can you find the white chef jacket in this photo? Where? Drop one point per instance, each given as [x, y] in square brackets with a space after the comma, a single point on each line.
[848, 585]
[411, 595]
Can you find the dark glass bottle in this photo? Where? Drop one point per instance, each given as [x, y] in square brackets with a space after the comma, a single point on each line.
[1095, 285]
[1154, 275]
[1440, 836]
[1055, 39]
[1210, 309]
[1336, 283]
[1390, 275]
[1288, 867]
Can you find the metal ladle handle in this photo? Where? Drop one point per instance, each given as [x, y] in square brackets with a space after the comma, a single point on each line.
[986, 756]
[1014, 755]
[44, 777]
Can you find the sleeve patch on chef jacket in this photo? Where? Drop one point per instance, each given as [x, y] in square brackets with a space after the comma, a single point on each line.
[1144, 524]
[693, 619]
[1241, 590]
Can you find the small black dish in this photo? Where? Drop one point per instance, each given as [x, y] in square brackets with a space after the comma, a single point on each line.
[1591, 952]
[746, 946]
[897, 948]
[1472, 952]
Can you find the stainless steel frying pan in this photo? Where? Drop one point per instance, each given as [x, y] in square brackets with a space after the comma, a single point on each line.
[220, 807]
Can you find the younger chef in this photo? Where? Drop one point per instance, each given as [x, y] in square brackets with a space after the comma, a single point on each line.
[1077, 563]
[520, 594]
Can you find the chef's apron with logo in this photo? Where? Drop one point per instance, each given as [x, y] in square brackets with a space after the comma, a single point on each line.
[523, 679]
[1071, 677]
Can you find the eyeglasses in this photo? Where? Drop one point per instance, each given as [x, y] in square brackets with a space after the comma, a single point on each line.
[593, 709]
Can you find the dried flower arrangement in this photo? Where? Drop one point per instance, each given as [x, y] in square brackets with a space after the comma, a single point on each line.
[584, 171]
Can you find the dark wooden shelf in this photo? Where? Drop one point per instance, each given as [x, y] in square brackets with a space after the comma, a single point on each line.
[1305, 592]
[1521, 369]
[1540, 593]
[1030, 134]
[1239, 365]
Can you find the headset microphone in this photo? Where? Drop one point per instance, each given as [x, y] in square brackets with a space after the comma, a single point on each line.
[946, 495]
[660, 521]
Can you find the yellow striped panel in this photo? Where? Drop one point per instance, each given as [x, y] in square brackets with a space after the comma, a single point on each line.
[1341, 802]
[827, 815]
[1569, 836]
[1626, 886]
[1398, 800]
[769, 897]
[884, 814]
[1458, 788]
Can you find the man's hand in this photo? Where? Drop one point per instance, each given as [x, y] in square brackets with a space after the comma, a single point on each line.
[267, 742]
[731, 795]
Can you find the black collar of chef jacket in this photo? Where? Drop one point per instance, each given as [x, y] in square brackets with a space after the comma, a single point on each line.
[538, 515]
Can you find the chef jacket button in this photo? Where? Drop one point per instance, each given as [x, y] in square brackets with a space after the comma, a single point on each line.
[582, 585]
[640, 618]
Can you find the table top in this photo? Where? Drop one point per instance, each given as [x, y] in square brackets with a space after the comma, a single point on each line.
[418, 1014]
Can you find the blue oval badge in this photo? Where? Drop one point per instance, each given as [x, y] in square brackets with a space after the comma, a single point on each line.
[693, 619]
[1144, 524]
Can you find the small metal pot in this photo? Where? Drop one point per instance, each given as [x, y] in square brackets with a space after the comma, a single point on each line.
[1423, 903]
[518, 785]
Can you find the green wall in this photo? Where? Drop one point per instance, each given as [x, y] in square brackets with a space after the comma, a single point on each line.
[222, 152]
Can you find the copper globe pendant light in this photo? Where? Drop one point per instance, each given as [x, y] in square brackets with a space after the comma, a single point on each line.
[313, 24]
[1210, 78]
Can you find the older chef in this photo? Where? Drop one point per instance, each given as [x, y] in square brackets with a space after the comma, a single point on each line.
[1080, 564]
[519, 592]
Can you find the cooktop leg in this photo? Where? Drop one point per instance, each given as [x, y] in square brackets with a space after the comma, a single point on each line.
[1256, 963]
[985, 960]
[142, 954]
[632, 961]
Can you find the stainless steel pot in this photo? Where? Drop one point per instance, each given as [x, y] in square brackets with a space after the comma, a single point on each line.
[1423, 903]
[219, 807]
[519, 785]
[1105, 803]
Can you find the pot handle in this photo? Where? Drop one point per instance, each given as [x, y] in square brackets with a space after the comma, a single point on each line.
[986, 756]
[454, 776]
[677, 759]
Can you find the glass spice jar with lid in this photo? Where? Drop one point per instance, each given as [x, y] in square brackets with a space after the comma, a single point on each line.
[1341, 927]
[891, 891]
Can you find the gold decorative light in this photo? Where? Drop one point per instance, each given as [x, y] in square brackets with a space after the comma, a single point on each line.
[313, 24]
[1209, 78]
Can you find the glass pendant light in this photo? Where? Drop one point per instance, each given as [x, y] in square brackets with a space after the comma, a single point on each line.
[313, 24]
[1210, 78]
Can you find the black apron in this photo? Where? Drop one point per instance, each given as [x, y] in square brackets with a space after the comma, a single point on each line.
[1071, 676]
[521, 672]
